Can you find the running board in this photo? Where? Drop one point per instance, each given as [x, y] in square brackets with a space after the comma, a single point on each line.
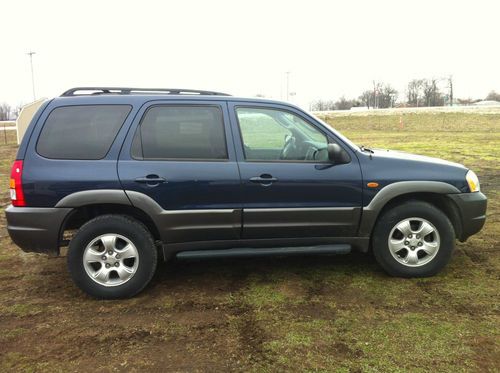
[273, 251]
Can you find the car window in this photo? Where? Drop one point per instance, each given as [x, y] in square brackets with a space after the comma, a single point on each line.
[181, 132]
[81, 132]
[276, 135]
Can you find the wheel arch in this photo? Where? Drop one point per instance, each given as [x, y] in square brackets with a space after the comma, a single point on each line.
[435, 193]
[82, 214]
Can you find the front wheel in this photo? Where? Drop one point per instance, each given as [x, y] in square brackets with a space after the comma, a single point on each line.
[112, 256]
[414, 239]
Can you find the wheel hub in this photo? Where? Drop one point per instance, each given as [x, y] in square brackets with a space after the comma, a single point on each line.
[110, 259]
[414, 242]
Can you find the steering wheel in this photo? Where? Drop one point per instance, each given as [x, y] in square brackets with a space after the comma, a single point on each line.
[288, 148]
[311, 153]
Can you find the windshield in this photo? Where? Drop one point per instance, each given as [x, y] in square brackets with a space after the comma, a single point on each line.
[338, 134]
[292, 121]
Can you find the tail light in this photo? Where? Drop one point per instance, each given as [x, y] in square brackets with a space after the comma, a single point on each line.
[16, 184]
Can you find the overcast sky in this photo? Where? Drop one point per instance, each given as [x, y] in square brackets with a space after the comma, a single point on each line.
[245, 47]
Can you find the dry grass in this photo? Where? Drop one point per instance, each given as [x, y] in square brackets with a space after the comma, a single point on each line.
[285, 314]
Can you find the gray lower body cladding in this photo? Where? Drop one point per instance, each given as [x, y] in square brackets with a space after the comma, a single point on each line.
[472, 210]
[36, 229]
[179, 226]
[275, 251]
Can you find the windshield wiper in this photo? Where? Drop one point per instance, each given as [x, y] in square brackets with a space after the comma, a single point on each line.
[367, 150]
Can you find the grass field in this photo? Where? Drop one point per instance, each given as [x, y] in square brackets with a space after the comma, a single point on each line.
[284, 314]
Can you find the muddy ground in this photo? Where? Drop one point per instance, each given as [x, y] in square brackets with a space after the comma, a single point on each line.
[338, 313]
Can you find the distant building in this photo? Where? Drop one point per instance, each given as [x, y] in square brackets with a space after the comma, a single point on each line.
[487, 103]
[360, 108]
[25, 115]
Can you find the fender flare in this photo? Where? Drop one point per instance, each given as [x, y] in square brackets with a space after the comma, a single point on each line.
[92, 197]
[371, 212]
[110, 197]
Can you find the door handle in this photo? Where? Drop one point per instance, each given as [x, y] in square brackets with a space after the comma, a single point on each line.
[264, 179]
[151, 180]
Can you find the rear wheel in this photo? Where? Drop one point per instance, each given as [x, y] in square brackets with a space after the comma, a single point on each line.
[414, 239]
[112, 256]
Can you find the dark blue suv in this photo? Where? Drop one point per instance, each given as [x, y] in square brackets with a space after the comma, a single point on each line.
[124, 176]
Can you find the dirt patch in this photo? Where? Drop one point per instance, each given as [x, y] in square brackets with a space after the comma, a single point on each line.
[479, 258]
[341, 349]
[312, 311]
[447, 301]
[486, 353]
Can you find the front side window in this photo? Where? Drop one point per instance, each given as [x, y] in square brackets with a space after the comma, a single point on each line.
[276, 135]
[81, 132]
[181, 132]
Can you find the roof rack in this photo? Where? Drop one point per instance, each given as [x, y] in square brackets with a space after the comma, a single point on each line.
[87, 91]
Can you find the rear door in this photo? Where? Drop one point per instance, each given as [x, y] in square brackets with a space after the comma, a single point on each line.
[180, 154]
[74, 147]
[290, 189]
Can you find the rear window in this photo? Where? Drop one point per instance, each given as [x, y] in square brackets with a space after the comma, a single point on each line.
[81, 132]
[181, 132]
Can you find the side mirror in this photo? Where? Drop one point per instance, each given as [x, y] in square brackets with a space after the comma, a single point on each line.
[337, 155]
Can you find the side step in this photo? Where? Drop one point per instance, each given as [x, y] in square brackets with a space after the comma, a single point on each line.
[272, 251]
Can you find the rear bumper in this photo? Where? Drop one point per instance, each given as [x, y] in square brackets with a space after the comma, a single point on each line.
[472, 209]
[36, 229]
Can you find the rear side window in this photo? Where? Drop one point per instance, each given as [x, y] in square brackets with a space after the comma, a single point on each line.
[81, 132]
[181, 132]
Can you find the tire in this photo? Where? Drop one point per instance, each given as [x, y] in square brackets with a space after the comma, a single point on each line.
[400, 249]
[112, 256]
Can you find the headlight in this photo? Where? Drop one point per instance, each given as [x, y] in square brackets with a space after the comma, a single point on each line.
[473, 181]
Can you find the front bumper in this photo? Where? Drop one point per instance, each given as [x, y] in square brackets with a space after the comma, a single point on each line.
[36, 229]
[472, 210]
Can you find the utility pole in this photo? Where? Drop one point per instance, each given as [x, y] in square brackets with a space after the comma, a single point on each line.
[450, 80]
[32, 74]
[288, 85]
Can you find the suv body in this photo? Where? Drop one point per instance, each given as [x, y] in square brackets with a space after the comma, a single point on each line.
[207, 174]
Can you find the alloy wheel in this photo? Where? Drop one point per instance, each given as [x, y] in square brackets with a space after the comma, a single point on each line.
[111, 259]
[414, 242]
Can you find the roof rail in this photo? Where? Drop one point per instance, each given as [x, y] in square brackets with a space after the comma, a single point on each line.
[87, 91]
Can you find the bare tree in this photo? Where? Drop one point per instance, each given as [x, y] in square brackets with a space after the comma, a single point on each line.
[382, 96]
[5, 110]
[431, 93]
[493, 96]
[387, 96]
[414, 92]
[345, 104]
[17, 110]
[428, 89]
[366, 98]
[321, 105]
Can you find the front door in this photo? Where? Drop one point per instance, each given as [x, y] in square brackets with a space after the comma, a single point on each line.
[181, 155]
[290, 188]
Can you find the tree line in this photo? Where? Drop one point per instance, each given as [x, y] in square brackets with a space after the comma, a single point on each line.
[7, 112]
[419, 92]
